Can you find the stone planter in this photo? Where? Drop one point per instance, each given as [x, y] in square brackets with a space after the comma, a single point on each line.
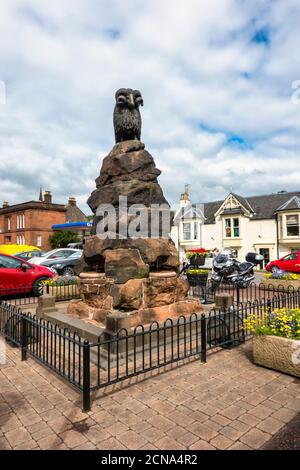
[197, 279]
[62, 292]
[282, 284]
[277, 353]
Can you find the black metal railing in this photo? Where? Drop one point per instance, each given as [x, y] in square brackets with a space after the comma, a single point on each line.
[54, 347]
[226, 328]
[128, 354]
[207, 294]
[116, 357]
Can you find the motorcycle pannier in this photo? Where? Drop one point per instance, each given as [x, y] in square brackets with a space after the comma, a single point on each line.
[254, 258]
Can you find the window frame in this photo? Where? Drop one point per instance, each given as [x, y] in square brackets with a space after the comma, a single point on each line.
[196, 231]
[292, 225]
[232, 227]
[20, 221]
[185, 232]
[8, 223]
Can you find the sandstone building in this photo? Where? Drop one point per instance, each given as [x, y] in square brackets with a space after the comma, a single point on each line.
[31, 222]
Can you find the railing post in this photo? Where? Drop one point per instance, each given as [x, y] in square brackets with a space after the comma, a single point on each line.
[269, 308]
[86, 377]
[237, 294]
[23, 338]
[203, 337]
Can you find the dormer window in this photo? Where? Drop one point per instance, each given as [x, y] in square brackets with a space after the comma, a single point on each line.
[232, 227]
[292, 225]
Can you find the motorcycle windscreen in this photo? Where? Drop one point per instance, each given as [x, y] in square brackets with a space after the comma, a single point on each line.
[221, 259]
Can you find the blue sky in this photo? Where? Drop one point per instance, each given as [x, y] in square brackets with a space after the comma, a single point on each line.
[216, 79]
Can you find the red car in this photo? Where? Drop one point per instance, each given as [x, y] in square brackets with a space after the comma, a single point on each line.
[288, 263]
[18, 276]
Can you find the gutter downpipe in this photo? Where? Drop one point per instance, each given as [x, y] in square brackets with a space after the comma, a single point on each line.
[277, 235]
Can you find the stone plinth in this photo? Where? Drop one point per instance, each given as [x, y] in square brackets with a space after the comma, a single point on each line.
[129, 172]
[172, 310]
[160, 296]
[124, 264]
[129, 275]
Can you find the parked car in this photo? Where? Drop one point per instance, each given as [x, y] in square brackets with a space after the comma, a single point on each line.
[18, 276]
[288, 263]
[28, 255]
[64, 266]
[13, 248]
[75, 245]
[55, 254]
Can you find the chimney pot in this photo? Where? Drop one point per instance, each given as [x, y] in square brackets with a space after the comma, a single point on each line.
[5, 204]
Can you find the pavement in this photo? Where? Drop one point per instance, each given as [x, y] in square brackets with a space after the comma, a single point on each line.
[227, 403]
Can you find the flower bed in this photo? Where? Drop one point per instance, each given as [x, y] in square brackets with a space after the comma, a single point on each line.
[62, 288]
[278, 284]
[282, 279]
[276, 340]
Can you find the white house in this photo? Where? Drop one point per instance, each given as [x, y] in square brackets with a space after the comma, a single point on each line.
[267, 224]
[187, 230]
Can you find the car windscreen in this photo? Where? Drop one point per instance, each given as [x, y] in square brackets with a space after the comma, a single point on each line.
[75, 255]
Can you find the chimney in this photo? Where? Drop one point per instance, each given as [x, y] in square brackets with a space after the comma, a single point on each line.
[185, 198]
[48, 197]
[72, 201]
[5, 204]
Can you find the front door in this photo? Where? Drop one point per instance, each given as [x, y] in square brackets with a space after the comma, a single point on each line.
[265, 252]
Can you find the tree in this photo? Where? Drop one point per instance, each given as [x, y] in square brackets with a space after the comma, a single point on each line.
[62, 239]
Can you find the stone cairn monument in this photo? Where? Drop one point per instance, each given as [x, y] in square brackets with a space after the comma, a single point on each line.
[129, 265]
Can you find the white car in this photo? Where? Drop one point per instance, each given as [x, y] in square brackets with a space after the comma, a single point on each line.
[53, 254]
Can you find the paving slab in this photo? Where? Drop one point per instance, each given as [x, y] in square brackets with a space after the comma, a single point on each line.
[228, 403]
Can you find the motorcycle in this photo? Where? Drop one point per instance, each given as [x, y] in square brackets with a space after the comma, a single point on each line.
[228, 270]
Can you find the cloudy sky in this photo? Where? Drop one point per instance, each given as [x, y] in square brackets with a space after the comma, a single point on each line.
[216, 79]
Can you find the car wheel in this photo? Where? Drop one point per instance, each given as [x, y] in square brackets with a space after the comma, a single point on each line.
[274, 269]
[37, 287]
[68, 271]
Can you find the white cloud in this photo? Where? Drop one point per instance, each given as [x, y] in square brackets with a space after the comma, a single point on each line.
[217, 112]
